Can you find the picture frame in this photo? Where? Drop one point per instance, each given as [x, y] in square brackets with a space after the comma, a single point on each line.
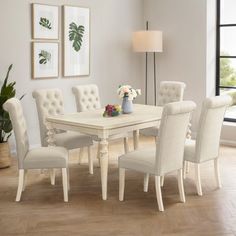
[45, 60]
[45, 21]
[76, 41]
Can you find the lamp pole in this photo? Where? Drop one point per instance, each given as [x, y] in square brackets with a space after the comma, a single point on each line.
[146, 74]
[155, 81]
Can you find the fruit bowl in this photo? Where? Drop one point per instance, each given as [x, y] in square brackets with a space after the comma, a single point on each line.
[112, 110]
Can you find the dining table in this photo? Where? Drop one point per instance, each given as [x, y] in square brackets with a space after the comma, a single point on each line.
[95, 124]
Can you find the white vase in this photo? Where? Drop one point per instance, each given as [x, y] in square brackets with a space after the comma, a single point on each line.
[127, 106]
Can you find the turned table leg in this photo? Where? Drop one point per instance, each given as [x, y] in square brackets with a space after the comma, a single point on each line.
[104, 166]
[136, 139]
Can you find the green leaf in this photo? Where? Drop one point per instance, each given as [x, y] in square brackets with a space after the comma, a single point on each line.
[44, 57]
[7, 91]
[76, 35]
[44, 22]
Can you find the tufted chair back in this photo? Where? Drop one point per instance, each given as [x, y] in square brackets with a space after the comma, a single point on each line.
[87, 97]
[14, 108]
[170, 91]
[210, 124]
[173, 129]
[48, 102]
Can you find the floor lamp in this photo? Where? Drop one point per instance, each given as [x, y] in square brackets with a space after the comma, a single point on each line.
[148, 41]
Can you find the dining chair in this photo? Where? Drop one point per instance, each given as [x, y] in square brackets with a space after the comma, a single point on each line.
[168, 154]
[50, 102]
[87, 99]
[206, 145]
[170, 91]
[38, 158]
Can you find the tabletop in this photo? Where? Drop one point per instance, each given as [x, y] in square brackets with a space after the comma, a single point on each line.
[94, 119]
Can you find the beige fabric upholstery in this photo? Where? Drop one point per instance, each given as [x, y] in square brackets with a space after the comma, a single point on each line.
[170, 91]
[189, 149]
[46, 157]
[72, 140]
[141, 160]
[207, 142]
[13, 107]
[168, 155]
[50, 102]
[87, 97]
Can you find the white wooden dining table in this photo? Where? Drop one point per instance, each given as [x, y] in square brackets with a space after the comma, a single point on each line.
[93, 123]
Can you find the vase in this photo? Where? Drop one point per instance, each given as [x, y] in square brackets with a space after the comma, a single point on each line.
[127, 106]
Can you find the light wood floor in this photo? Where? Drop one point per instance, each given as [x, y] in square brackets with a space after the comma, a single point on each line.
[43, 212]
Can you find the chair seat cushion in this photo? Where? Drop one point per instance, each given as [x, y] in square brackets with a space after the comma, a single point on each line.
[189, 150]
[152, 131]
[46, 157]
[140, 160]
[72, 140]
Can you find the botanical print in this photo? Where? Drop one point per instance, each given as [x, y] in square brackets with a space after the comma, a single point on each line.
[76, 35]
[44, 22]
[44, 57]
[76, 48]
[45, 60]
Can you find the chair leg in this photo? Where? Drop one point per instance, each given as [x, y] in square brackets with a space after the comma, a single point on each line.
[198, 179]
[181, 185]
[68, 178]
[145, 183]
[25, 180]
[158, 193]
[98, 153]
[126, 144]
[81, 155]
[187, 167]
[184, 169]
[90, 160]
[20, 185]
[65, 184]
[217, 172]
[52, 176]
[121, 183]
[162, 180]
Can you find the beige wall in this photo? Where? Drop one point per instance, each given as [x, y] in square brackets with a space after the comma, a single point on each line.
[112, 60]
[189, 49]
[183, 23]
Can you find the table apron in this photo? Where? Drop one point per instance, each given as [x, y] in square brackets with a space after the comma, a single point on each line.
[104, 133]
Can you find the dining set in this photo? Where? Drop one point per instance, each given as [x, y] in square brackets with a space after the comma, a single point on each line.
[168, 122]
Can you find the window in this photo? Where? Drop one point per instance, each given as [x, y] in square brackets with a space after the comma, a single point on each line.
[226, 53]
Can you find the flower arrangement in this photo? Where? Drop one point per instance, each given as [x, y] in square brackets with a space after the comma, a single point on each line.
[112, 110]
[126, 91]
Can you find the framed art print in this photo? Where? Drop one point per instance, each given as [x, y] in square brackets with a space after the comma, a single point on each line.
[45, 60]
[76, 36]
[45, 21]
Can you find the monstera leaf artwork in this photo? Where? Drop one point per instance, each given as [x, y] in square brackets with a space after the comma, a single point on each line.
[44, 22]
[76, 41]
[44, 57]
[76, 33]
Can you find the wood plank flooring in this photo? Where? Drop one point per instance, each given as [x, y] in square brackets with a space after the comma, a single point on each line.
[43, 212]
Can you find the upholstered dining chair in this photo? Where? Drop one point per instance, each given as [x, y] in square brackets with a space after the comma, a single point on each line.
[38, 158]
[50, 102]
[206, 146]
[170, 91]
[168, 154]
[87, 99]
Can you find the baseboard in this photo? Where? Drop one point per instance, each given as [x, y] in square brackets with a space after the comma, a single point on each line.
[228, 142]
